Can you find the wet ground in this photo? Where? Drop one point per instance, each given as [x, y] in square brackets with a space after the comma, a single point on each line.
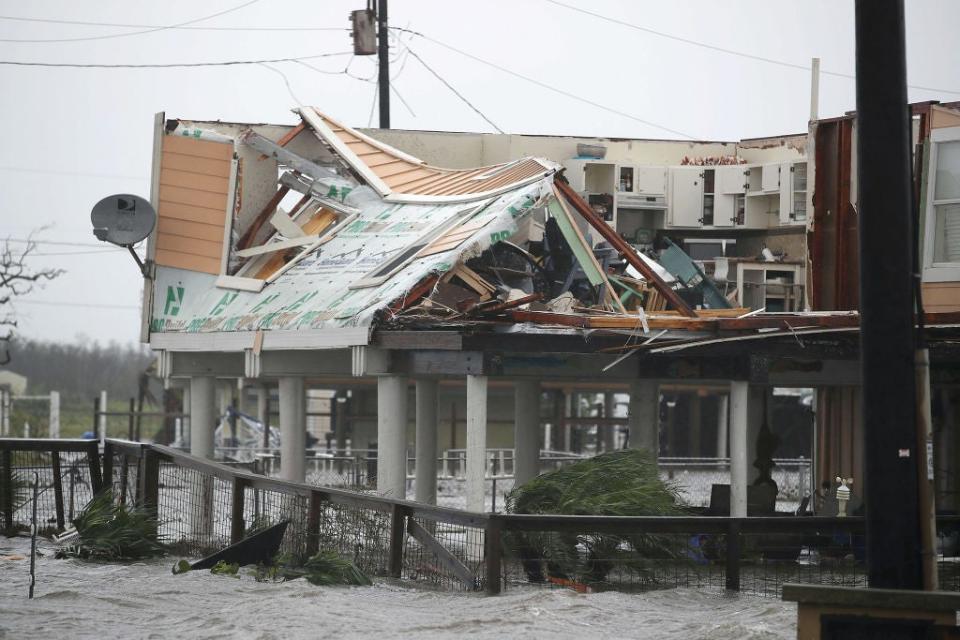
[80, 600]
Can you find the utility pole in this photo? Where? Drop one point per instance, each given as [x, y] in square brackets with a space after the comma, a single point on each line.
[887, 334]
[383, 64]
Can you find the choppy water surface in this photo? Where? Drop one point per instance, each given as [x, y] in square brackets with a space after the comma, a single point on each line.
[81, 600]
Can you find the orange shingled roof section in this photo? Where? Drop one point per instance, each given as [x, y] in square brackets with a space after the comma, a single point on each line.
[406, 175]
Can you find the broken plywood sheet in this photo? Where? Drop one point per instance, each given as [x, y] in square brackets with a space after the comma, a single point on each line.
[315, 292]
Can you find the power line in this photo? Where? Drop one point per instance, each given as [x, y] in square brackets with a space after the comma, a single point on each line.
[226, 63]
[158, 27]
[111, 176]
[89, 305]
[135, 33]
[547, 86]
[732, 52]
[455, 92]
[59, 243]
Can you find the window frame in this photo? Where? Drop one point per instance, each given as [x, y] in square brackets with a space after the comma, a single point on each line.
[937, 271]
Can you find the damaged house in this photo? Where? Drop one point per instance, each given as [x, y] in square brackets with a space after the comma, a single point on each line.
[461, 305]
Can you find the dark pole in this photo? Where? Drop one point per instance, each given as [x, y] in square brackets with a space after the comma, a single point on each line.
[886, 298]
[383, 64]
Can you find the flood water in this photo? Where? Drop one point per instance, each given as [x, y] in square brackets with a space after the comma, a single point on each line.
[78, 600]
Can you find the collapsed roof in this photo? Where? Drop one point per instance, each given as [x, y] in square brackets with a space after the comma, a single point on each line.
[320, 226]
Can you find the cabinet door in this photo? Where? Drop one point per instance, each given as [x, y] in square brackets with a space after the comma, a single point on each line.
[723, 210]
[686, 196]
[786, 193]
[576, 174]
[650, 181]
[770, 179]
[731, 179]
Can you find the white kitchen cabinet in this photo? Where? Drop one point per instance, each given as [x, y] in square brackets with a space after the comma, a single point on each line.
[770, 178]
[731, 179]
[651, 181]
[686, 197]
[793, 193]
[724, 210]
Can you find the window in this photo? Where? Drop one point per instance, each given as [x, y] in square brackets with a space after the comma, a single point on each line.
[942, 233]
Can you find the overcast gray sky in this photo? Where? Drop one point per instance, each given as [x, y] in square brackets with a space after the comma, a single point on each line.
[74, 135]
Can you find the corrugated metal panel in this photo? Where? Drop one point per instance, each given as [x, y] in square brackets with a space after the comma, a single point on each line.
[194, 186]
[406, 175]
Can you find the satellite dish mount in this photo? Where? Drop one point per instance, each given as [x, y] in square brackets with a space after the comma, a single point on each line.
[124, 220]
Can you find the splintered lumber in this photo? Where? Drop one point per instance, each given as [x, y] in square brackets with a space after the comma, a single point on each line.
[621, 245]
[414, 295]
[702, 323]
[472, 279]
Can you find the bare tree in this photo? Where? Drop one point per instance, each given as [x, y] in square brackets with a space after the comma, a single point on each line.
[17, 279]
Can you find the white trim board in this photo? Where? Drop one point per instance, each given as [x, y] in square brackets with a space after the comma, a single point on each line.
[334, 338]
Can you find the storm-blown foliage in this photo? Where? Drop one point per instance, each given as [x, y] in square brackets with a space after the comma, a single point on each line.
[111, 531]
[621, 483]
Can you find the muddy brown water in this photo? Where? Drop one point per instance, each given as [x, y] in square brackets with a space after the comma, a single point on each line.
[81, 600]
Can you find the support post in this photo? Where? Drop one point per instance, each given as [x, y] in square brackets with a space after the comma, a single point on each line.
[203, 410]
[526, 433]
[644, 416]
[7, 486]
[733, 555]
[54, 414]
[398, 520]
[293, 436]
[263, 413]
[131, 416]
[392, 436]
[383, 64]
[476, 442]
[739, 409]
[149, 489]
[102, 418]
[58, 488]
[493, 550]
[237, 524]
[887, 340]
[313, 522]
[723, 415]
[426, 439]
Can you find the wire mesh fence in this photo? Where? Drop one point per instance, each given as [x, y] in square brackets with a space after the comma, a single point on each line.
[67, 473]
[204, 506]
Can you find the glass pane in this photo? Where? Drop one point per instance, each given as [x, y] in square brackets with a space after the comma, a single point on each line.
[626, 178]
[948, 171]
[946, 243]
[800, 176]
[799, 205]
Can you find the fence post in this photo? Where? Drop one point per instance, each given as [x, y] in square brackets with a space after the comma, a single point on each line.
[237, 523]
[149, 488]
[397, 533]
[493, 550]
[733, 555]
[131, 419]
[7, 489]
[57, 488]
[108, 464]
[313, 523]
[93, 460]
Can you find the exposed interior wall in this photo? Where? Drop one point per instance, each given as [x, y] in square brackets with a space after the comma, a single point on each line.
[194, 186]
[775, 149]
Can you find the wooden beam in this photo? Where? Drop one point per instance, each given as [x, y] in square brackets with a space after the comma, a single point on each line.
[287, 138]
[621, 245]
[449, 561]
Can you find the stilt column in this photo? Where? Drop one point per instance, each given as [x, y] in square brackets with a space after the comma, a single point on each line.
[644, 416]
[526, 434]
[293, 435]
[203, 415]
[739, 411]
[476, 442]
[426, 481]
[392, 436]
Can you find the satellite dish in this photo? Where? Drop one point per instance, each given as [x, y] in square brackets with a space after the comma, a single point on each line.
[123, 219]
